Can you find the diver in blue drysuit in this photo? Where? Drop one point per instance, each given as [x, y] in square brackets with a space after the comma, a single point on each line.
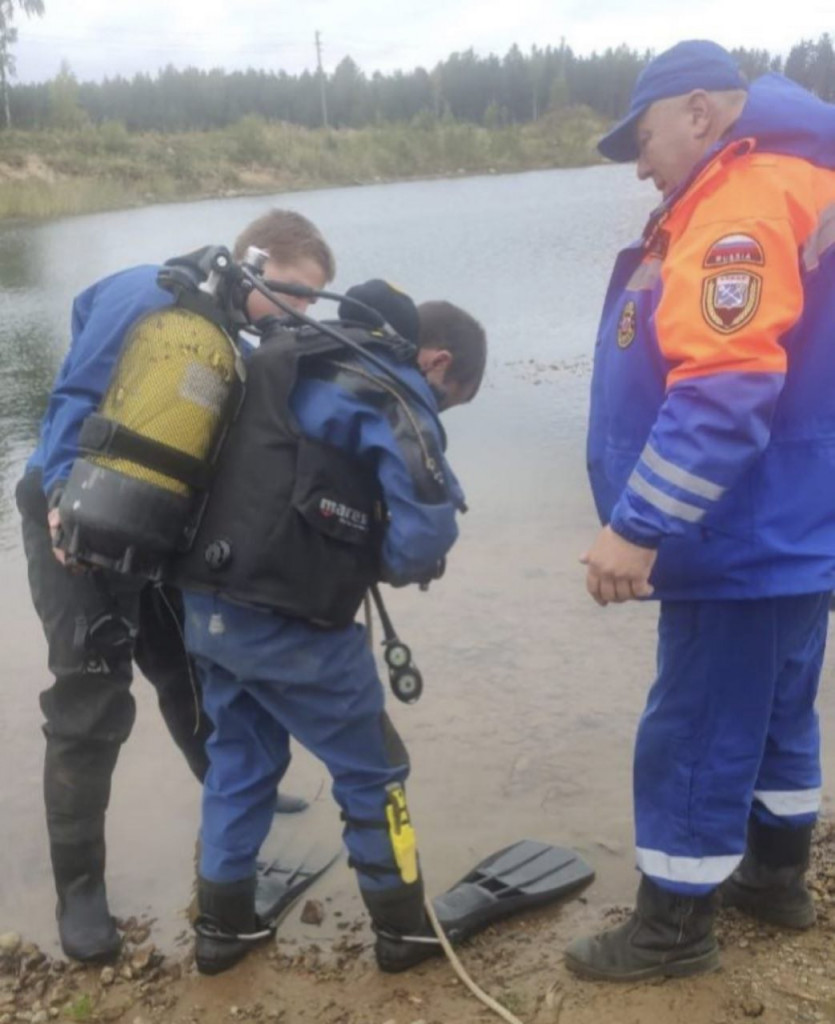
[267, 675]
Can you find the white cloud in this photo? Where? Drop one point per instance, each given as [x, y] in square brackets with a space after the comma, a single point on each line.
[99, 37]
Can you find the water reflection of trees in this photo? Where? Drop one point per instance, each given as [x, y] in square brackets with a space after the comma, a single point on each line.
[20, 263]
[26, 367]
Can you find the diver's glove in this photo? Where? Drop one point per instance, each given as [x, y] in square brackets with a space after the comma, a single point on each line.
[423, 579]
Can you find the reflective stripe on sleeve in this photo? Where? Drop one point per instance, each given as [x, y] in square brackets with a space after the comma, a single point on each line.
[680, 477]
[665, 502]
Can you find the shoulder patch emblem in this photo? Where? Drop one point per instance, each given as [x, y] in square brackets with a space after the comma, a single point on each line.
[729, 301]
[627, 325]
[732, 249]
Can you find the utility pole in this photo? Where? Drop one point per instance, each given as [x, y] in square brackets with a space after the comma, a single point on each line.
[321, 80]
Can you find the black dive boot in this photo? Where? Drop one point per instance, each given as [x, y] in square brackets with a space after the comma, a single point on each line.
[404, 935]
[668, 935]
[85, 926]
[227, 926]
[770, 883]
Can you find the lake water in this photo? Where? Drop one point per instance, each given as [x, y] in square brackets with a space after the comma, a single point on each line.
[532, 693]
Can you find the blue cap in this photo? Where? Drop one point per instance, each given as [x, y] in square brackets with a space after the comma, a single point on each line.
[693, 64]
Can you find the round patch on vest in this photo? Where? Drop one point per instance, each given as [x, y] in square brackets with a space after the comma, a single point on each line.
[627, 325]
[217, 554]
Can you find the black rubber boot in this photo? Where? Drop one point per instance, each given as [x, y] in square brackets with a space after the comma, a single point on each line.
[227, 926]
[404, 935]
[668, 935]
[85, 926]
[770, 883]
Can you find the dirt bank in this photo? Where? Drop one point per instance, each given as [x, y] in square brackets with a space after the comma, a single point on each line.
[776, 977]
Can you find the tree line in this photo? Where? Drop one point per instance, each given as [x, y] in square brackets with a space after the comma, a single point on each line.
[513, 89]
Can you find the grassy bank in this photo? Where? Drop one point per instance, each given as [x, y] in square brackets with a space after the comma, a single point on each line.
[102, 167]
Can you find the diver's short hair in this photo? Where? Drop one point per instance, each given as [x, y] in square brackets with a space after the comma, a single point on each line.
[446, 326]
[287, 236]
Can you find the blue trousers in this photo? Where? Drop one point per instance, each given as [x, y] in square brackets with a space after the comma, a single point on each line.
[730, 729]
[266, 678]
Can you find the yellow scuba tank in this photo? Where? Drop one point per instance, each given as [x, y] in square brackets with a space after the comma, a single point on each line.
[147, 452]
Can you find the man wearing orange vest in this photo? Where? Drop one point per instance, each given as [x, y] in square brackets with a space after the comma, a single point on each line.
[711, 455]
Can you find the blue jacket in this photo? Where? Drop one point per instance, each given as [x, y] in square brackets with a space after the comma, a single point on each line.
[419, 534]
[102, 315]
[712, 426]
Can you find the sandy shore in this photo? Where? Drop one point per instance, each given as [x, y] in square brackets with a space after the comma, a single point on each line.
[525, 730]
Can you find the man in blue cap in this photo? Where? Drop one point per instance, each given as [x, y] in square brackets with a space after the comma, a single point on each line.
[710, 455]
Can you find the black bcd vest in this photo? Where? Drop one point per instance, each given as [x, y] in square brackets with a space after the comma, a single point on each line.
[290, 522]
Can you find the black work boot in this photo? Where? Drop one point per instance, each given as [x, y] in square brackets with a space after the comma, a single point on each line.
[227, 926]
[404, 935]
[770, 883]
[668, 935]
[85, 927]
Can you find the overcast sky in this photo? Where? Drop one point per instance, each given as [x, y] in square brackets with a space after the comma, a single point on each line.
[108, 37]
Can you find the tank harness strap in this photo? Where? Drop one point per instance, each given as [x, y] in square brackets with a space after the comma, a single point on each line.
[102, 436]
[206, 306]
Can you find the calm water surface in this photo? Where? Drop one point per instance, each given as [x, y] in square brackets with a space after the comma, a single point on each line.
[532, 693]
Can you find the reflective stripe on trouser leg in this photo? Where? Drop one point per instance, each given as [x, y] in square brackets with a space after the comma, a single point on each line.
[248, 752]
[703, 734]
[787, 792]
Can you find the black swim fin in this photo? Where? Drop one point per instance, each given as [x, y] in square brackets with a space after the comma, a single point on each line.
[281, 881]
[521, 877]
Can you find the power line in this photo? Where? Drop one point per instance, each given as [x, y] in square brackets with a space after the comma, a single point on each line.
[321, 80]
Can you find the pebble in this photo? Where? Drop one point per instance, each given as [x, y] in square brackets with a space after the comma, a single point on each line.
[313, 913]
[10, 943]
[142, 958]
[107, 976]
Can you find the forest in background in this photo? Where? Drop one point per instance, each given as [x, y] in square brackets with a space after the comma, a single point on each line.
[491, 91]
[75, 147]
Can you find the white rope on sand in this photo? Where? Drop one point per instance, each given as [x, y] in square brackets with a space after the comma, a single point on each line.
[460, 970]
[446, 946]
